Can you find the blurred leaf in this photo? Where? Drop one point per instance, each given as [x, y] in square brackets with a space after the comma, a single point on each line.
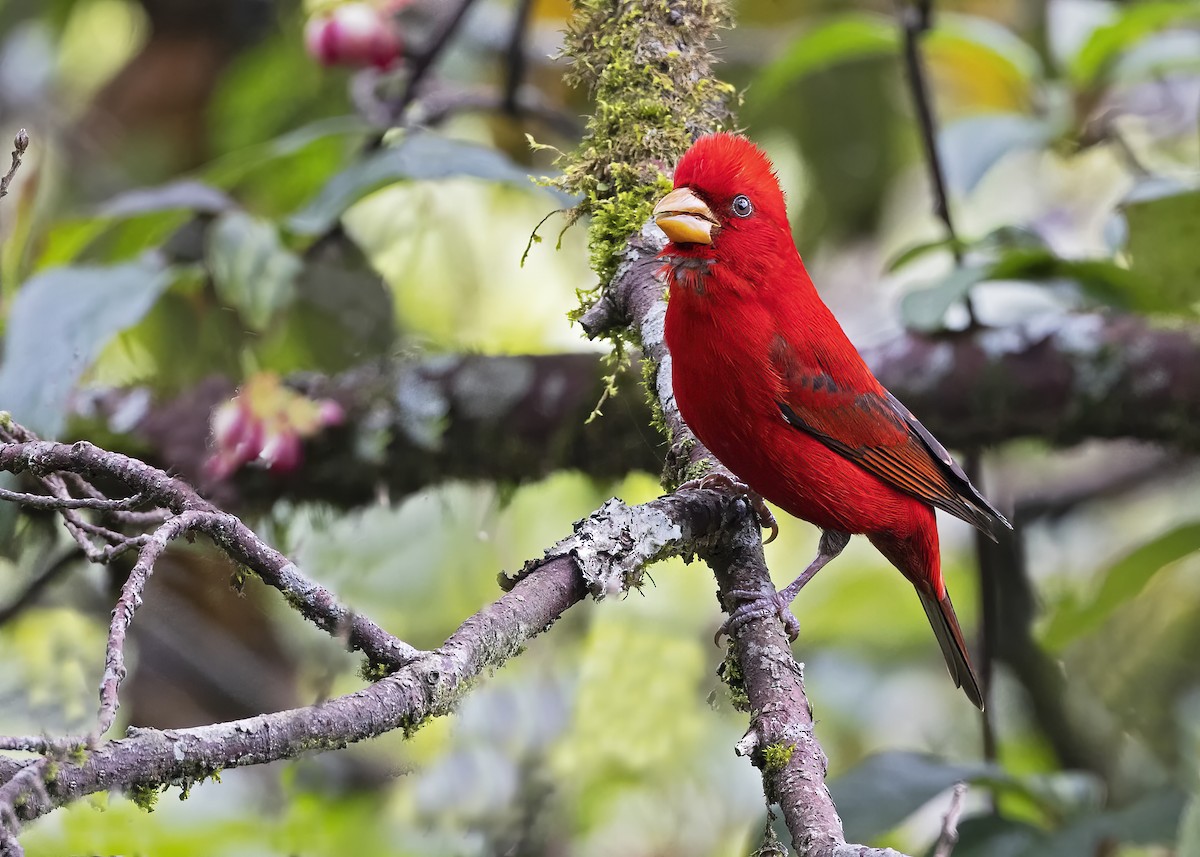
[916, 251]
[1164, 250]
[1151, 59]
[881, 791]
[1189, 830]
[419, 156]
[925, 308]
[60, 321]
[1102, 279]
[343, 314]
[980, 64]
[183, 339]
[1121, 582]
[186, 194]
[1151, 820]
[996, 836]
[971, 146]
[251, 269]
[841, 39]
[1134, 22]
[234, 167]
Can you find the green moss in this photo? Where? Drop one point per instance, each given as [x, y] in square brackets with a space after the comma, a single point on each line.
[373, 671]
[648, 68]
[776, 757]
[730, 672]
[144, 795]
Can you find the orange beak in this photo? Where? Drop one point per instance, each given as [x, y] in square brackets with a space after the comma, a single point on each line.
[685, 218]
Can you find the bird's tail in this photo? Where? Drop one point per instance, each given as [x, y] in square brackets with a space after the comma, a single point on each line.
[954, 648]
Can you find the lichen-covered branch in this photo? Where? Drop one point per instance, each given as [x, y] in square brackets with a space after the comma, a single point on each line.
[1065, 379]
[314, 602]
[781, 740]
[428, 685]
[510, 420]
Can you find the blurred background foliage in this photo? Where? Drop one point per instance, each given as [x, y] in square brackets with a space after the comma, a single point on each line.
[203, 198]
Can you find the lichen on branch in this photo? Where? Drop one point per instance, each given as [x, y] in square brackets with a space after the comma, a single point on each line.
[648, 67]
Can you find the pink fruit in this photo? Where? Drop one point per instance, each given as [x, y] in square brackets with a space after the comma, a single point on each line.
[353, 34]
[281, 453]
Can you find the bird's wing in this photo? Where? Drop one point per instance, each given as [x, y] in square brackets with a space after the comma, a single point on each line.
[882, 436]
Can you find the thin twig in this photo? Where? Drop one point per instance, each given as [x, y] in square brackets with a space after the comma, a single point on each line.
[949, 835]
[916, 19]
[127, 604]
[424, 61]
[516, 57]
[45, 501]
[20, 144]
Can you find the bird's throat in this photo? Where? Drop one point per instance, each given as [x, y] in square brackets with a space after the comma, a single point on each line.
[689, 272]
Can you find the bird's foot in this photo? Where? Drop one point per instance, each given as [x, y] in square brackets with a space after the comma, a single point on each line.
[758, 605]
[726, 482]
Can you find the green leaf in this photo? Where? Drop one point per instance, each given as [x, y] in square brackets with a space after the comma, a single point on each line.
[343, 315]
[924, 309]
[996, 836]
[1188, 844]
[60, 321]
[419, 156]
[1134, 22]
[1164, 250]
[883, 790]
[1152, 820]
[251, 269]
[1121, 582]
[841, 39]
[916, 251]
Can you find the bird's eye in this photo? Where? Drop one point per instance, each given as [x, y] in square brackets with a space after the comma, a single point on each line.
[742, 206]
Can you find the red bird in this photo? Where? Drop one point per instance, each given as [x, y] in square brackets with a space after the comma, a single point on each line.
[768, 381]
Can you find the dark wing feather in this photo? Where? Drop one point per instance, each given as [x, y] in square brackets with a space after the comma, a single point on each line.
[879, 434]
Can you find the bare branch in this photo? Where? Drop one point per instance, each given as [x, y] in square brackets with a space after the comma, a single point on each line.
[127, 604]
[313, 601]
[43, 501]
[425, 687]
[20, 144]
[949, 835]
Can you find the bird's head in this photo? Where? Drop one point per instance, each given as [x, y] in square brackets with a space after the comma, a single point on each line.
[726, 201]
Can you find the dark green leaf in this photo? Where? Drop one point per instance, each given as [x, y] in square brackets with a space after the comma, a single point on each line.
[1152, 820]
[251, 269]
[60, 321]
[1164, 250]
[995, 836]
[342, 317]
[1188, 844]
[883, 790]
[1121, 582]
[925, 308]
[419, 156]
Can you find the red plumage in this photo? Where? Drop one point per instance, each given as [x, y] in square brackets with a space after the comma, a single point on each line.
[768, 381]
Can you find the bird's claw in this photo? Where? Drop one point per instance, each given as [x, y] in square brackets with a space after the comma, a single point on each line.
[758, 605]
[724, 481]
